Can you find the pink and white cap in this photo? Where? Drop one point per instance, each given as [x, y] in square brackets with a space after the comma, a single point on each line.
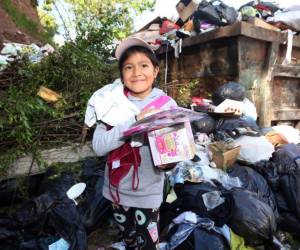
[130, 42]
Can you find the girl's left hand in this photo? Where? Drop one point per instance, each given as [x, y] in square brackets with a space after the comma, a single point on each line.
[167, 167]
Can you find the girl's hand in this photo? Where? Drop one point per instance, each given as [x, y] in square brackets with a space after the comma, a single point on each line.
[146, 113]
[167, 167]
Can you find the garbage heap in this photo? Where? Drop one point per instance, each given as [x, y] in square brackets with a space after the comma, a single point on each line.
[240, 191]
[199, 17]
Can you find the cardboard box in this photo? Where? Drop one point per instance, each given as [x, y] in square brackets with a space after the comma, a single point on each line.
[172, 144]
[261, 23]
[228, 105]
[185, 11]
[224, 159]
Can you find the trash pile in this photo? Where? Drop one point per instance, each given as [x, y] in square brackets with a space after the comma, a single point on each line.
[14, 51]
[11, 56]
[240, 191]
[197, 17]
[55, 218]
[242, 187]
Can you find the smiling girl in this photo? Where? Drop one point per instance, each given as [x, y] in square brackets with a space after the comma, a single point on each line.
[132, 183]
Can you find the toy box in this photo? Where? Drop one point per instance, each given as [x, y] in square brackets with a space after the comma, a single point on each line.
[172, 144]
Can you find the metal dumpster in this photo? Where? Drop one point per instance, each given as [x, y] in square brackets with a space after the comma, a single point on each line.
[245, 53]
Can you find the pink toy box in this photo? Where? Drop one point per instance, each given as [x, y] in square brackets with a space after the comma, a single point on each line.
[172, 144]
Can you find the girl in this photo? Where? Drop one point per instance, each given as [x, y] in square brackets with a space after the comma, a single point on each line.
[132, 183]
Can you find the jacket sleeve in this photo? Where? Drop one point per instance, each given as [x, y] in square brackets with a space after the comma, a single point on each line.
[105, 140]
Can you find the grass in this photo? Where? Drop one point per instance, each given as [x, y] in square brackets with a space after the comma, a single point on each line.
[23, 22]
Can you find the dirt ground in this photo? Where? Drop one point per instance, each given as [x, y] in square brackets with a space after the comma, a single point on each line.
[9, 32]
[103, 237]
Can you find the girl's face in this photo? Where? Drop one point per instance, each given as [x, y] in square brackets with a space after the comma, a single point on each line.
[138, 74]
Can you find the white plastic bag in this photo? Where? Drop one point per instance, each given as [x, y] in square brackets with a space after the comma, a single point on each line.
[254, 149]
[249, 109]
[291, 134]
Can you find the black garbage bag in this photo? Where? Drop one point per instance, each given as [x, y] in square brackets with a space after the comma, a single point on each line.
[38, 243]
[189, 198]
[268, 170]
[51, 213]
[205, 125]
[209, 240]
[287, 158]
[230, 90]
[202, 239]
[290, 189]
[12, 192]
[95, 209]
[252, 219]
[65, 220]
[254, 182]
[32, 216]
[236, 127]
[167, 212]
[215, 12]
[9, 236]
[287, 220]
[57, 184]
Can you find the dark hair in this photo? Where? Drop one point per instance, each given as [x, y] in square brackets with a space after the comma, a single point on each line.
[137, 49]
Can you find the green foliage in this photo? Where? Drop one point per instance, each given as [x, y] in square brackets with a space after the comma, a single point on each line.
[73, 73]
[70, 167]
[184, 93]
[23, 22]
[48, 22]
[99, 23]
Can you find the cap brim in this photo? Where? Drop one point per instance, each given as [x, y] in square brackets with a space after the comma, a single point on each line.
[130, 42]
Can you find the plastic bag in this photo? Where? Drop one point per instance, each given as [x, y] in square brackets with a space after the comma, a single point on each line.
[40, 243]
[269, 171]
[95, 209]
[290, 18]
[190, 199]
[250, 151]
[11, 192]
[252, 218]
[249, 109]
[287, 158]
[254, 182]
[179, 235]
[290, 189]
[65, 220]
[56, 184]
[292, 135]
[215, 12]
[209, 240]
[61, 244]
[230, 90]
[197, 172]
[288, 222]
[205, 125]
[51, 213]
[236, 127]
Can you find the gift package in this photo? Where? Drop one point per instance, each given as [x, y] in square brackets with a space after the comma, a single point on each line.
[172, 144]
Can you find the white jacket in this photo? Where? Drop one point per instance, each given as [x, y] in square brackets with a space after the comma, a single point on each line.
[110, 105]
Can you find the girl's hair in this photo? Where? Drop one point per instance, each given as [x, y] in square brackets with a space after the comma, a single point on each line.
[137, 49]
